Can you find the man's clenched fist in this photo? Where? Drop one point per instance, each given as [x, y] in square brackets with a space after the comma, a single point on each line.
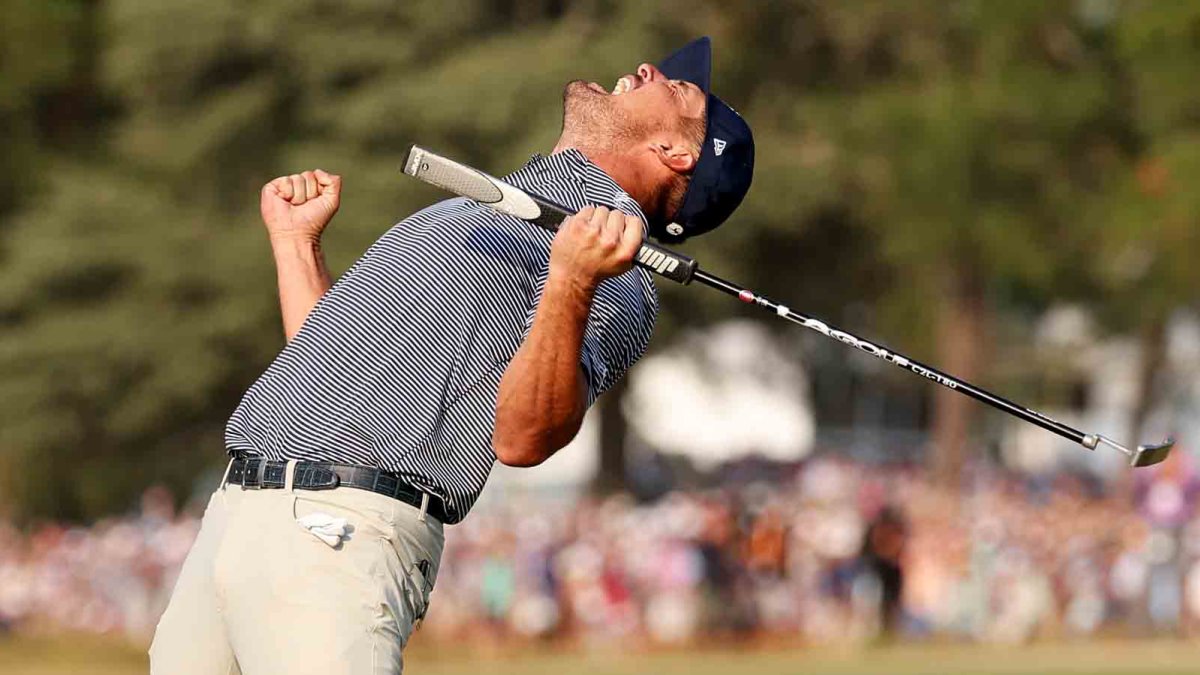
[300, 205]
[595, 244]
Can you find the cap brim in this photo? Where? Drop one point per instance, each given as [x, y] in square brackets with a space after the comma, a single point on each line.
[692, 63]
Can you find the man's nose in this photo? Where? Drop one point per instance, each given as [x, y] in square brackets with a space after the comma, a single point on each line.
[649, 73]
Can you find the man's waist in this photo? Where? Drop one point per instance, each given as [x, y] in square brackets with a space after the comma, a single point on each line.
[256, 472]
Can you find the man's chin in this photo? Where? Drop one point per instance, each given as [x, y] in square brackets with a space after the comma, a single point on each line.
[591, 116]
[581, 102]
[583, 88]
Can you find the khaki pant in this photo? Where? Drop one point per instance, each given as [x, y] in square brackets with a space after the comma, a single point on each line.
[259, 594]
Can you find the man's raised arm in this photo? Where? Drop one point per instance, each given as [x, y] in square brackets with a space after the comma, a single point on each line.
[543, 393]
[296, 209]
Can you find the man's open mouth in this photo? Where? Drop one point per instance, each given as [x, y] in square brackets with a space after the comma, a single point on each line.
[625, 84]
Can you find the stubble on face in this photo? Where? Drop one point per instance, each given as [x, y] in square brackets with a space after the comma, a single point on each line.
[593, 121]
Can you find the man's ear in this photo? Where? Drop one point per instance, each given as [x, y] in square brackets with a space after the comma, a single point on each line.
[675, 155]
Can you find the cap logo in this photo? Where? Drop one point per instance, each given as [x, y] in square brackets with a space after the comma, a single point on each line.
[718, 146]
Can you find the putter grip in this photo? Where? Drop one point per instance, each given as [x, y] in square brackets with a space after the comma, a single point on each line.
[473, 184]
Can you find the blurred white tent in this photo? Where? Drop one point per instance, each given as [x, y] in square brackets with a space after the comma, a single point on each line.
[716, 395]
[1108, 368]
[729, 392]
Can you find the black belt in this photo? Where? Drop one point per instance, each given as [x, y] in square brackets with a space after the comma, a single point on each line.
[258, 473]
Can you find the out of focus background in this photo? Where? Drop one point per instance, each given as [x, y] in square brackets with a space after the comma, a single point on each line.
[1007, 190]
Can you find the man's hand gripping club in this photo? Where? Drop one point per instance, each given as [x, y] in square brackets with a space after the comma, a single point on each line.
[543, 394]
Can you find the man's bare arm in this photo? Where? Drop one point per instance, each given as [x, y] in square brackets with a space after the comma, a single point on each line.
[303, 278]
[543, 393]
[296, 209]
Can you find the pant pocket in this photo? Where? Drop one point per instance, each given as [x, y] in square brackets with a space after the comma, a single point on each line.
[406, 589]
[419, 577]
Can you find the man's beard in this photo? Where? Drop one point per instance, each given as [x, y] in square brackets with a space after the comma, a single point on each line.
[593, 121]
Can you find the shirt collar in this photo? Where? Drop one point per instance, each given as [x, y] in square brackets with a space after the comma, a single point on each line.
[571, 179]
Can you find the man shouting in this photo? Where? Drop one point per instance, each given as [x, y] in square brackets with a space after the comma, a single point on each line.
[462, 336]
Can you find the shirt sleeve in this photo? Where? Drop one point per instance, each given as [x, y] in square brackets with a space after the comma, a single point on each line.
[618, 329]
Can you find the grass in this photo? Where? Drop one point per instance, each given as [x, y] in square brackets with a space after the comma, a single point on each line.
[93, 656]
[77, 655]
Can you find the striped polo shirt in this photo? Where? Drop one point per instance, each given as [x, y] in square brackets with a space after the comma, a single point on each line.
[398, 364]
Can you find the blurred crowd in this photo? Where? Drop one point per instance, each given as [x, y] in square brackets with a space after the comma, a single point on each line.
[114, 576]
[839, 552]
[831, 551]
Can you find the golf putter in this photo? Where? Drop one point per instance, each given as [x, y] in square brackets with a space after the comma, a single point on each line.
[473, 184]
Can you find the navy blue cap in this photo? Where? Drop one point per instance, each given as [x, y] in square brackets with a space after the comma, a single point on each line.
[722, 175]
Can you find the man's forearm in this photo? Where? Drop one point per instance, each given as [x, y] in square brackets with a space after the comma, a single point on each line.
[542, 396]
[303, 279]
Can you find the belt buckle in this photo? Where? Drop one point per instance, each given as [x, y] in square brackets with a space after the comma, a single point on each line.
[262, 470]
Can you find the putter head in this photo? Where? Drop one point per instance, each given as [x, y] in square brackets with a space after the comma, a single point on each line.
[1143, 455]
[1146, 455]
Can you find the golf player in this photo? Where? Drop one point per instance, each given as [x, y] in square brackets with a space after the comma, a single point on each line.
[461, 337]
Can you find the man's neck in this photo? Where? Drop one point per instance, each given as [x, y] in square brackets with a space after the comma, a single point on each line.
[625, 172]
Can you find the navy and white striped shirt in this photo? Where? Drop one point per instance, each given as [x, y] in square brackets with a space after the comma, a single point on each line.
[398, 364]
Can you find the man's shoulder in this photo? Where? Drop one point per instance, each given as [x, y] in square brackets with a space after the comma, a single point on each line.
[459, 208]
[452, 222]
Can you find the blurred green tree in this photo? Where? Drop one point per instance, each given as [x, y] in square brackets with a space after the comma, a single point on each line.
[1146, 231]
[973, 157]
[931, 161]
[138, 293]
[967, 137]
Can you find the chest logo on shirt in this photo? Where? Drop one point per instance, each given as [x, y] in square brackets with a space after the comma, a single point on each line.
[656, 260]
